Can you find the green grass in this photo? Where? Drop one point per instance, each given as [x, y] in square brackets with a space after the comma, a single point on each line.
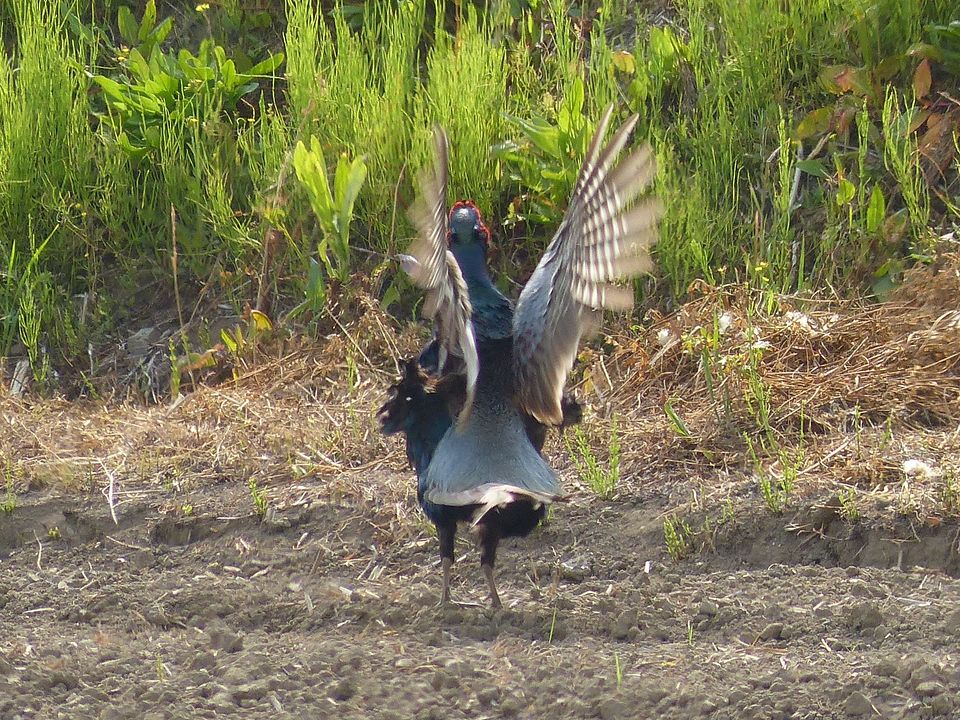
[107, 123]
[600, 477]
[677, 536]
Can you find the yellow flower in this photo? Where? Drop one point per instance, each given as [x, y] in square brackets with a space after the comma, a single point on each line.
[203, 7]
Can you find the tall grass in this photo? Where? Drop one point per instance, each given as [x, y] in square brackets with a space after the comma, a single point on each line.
[726, 157]
[47, 173]
[721, 90]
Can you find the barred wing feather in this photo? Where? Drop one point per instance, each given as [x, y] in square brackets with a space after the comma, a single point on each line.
[433, 268]
[605, 236]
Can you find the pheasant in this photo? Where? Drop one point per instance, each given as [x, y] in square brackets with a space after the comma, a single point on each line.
[466, 431]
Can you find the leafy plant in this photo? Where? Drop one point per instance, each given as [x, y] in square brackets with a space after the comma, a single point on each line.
[9, 503]
[333, 208]
[950, 494]
[148, 33]
[240, 343]
[775, 490]
[654, 69]
[159, 87]
[676, 422]
[546, 161]
[944, 46]
[848, 504]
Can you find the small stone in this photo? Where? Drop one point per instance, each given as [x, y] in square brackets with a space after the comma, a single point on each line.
[251, 691]
[771, 631]
[864, 616]
[237, 674]
[941, 704]
[223, 638]
[509, 707]
[886, 667]
[574, 569]
[857, 704]
[223, 700]
[204, 660]
[626, 621]
[341, 690]
[488, 696]
[951, 623]
[736, 697]
[613, 709]
[67, 680]
[923, 673]
[929, 688]
[708, 608]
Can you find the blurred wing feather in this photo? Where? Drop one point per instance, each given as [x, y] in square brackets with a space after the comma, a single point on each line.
[604, 237]
[433, 268]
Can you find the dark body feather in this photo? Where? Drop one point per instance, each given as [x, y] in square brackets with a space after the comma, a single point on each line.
[424, 413]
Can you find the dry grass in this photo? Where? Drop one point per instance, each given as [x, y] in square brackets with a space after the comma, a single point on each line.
[854, 391]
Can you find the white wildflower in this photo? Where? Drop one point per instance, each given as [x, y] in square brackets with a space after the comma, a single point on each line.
[663, 336]
[760, 345]
[917, 468]
[724, 323]
[799, 319]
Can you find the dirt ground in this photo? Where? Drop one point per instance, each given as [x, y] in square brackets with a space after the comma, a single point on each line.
[318, 612]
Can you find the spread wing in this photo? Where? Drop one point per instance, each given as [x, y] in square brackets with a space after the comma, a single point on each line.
[604, 236]
[433, 268]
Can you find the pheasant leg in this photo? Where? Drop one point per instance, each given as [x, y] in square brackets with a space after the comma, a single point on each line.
[447, 534]
[489, 539]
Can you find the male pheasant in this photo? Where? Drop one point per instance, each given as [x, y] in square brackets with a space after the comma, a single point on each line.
[467, 432]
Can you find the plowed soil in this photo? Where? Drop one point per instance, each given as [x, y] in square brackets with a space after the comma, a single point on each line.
[319, 612]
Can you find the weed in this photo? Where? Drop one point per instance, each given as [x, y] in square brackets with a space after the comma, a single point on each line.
[727, 511]
[618, 669]
[160, 668]
[9, 503]
[676, 422]
[848, 504]
[54, 533]
[776, 490]
[258, 497]
[900, 157]
[950, 493]
[97, 142]
[603, 481]
[156, 88]
[677, 536]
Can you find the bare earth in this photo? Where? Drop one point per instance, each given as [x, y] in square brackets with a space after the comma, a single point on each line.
[317, 613]
[845, 605]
